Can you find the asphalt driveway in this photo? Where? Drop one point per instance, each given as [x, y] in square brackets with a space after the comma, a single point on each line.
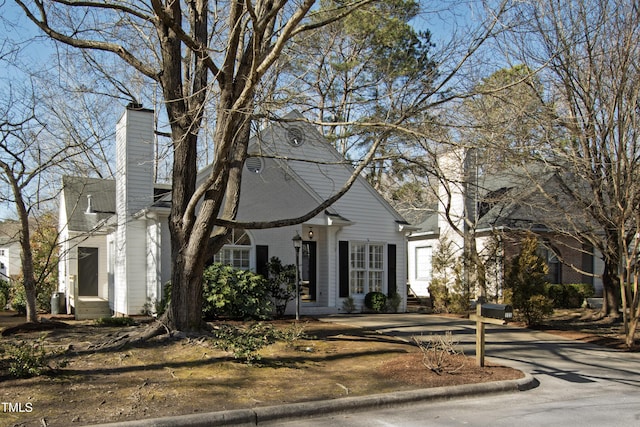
[579, 383]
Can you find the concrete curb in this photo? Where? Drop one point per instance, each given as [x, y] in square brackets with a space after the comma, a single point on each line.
[271, 414]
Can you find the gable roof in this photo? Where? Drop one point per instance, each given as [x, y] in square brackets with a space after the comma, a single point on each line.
[280, 185]
[9, 232]
[314, 151]
[76, 190]
[277, 192]
[506, 198]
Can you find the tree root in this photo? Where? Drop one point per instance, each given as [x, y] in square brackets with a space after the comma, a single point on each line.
[155, 329]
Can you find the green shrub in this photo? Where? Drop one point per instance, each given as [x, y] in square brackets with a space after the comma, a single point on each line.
[447, 288]
[393, 302]
[569, 295]
[349, 305]
[4, 293]
[375, 301]
[235, 294]
[525, 283]
[160, 305]
[19, 299]
[281, 284]
[536, 309]
[439, 297]
[294, 332]
[245, 343]
[586, 290]
[115, 321]
[30, 359]
[459, 302]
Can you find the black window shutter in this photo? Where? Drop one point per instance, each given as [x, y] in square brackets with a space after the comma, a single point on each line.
[262, 259]
[392, 286]
[343, 268]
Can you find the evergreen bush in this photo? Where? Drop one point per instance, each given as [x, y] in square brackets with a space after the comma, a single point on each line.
[245, 342]
[4, 294]
[570, 295]
[447, 290]
[349, 305]
[376, 301]
[235, 294]
[439, 296]
[281, 284]
[18, 298]
[525, 283]
[30, 358]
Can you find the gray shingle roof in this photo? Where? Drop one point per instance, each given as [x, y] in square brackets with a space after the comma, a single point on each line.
[103, 201]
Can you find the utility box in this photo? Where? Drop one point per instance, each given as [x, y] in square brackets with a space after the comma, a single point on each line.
[497, 311]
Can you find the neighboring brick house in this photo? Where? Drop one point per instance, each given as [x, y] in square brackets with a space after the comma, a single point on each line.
[504, 210]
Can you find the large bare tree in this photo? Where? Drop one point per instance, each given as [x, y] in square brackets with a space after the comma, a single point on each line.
[204, 56]
[587, 53]
[35, 147]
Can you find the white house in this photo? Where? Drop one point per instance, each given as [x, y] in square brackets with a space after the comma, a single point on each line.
[10, 266]
[115, 239]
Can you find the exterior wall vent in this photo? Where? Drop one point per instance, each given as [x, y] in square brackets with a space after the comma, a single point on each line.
[254, 164]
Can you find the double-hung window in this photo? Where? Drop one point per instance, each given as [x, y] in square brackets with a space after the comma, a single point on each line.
[236, 252]
[366, 267]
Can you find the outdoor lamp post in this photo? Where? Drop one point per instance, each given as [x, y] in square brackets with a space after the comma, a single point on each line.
[297, 244]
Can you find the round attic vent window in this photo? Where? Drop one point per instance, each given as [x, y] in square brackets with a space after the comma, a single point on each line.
[254, 164]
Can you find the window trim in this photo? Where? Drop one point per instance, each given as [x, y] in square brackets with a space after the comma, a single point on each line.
[237, 235]
[427, 270]
[368, 270]
[232, 249]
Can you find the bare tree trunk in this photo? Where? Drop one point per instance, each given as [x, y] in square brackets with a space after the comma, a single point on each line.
[610, 290]
[26, 257]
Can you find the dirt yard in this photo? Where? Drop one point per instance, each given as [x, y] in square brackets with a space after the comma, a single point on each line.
[586, 325]
[182, 376]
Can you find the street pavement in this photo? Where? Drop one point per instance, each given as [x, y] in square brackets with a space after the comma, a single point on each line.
[579, 384]
[567, 383]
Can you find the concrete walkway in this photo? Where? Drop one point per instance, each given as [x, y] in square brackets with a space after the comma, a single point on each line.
[561, 367]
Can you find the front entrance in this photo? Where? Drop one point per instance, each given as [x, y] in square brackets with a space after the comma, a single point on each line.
[87, 271]
[308, 272]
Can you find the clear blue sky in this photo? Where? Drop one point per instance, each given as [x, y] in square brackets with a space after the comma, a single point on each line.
[33, 52]
[36, 50]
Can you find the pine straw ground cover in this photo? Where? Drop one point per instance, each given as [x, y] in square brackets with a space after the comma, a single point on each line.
[167, 377]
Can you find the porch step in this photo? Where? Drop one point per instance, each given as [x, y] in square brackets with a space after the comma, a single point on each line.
[89, 308]
[418, 304]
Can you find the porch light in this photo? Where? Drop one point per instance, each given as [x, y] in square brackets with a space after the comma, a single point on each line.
[297, 244]
[310, 233]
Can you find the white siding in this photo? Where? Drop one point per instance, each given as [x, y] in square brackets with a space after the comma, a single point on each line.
[158, 261]
[134, 192]
[372, 219]
[419, 265]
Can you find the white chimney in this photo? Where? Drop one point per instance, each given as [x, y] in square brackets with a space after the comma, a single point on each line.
[134, 192]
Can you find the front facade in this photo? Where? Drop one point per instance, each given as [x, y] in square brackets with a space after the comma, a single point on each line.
[116, 245]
